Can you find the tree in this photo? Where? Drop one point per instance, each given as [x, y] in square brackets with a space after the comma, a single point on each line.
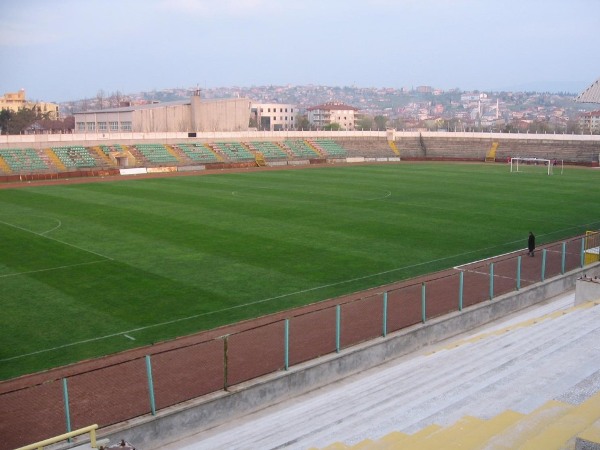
[573, 127]
[5, 118]
[253, 122]
[100, 98]
[333, 126]
[365, 123]
[22, 120]
[17, 122]
[380, 122]
[302, 122]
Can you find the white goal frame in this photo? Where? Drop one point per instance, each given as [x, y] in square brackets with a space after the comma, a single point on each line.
[514, 163]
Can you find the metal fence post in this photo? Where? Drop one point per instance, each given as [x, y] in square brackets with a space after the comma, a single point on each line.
[544, 264]
[491, 281]
[582, 252]
[286, 343]
[563, 260]
[150, 384]
[385, 309]
[338, 327]
[423, 304]
[67, 408]
[518, 273]
[460, 290]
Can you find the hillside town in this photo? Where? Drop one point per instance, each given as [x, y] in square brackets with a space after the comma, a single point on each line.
[415, 108]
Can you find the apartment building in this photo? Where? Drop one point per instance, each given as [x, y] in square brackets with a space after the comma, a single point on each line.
[333, 112]
[14, 101]
[274, 116]
[589, 123]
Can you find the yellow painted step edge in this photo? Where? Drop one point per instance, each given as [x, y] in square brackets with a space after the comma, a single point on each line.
[568, 426]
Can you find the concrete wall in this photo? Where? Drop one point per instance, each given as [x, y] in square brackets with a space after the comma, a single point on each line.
[175, 118]
[90, 139]
[223, 115]
[151, 432]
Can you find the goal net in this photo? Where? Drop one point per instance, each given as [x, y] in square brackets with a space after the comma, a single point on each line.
[520, 164]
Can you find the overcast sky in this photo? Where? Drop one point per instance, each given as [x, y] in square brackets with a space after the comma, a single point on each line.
[70, 49]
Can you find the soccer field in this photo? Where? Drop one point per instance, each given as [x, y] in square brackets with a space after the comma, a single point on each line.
[92, 269]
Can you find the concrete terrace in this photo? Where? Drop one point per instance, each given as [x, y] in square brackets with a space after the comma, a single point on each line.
[529, 380]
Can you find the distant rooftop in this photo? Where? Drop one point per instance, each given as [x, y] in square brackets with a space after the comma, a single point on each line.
[138, 107]
[591, 94]
[332, 106]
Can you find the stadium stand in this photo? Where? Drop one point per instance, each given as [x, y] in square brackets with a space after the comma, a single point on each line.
[411, 146]
[514, 383]
[300, 149]
[270, 150]
[156, 153]
[74, 157]
[329, 148]
[25, 160]
[198, 153]
[234, 151]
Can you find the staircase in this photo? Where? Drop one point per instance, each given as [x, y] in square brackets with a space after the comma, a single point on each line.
[102, 159]
[4, 167]
[55, 159]
[315, 148]
[394, 147]
[491, 154]
[422, 146]
[260, 159]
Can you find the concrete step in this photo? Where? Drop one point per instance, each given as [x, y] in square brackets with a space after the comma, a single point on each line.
[425, 377]
[566, 428]
[450, 434]
[527, 428]
[589, 439]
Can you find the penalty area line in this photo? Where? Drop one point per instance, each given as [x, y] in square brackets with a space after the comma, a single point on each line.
[487, 259]
[195, 316]
[52, 268]
[56, 240]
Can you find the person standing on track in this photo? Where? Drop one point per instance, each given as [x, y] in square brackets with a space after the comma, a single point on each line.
[531, 244]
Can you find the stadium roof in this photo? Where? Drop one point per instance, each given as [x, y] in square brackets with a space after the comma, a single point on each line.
[591, 94]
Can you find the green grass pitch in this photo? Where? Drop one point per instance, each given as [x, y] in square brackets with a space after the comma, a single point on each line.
[92, 269]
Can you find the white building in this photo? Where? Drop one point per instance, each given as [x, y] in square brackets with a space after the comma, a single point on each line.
[274, 116]
[333, 112]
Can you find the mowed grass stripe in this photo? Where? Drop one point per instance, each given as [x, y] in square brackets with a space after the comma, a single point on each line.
[202, 251]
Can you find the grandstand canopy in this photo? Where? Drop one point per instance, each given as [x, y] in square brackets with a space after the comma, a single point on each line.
[591, 94]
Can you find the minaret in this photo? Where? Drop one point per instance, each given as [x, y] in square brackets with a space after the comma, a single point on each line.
[195, 103]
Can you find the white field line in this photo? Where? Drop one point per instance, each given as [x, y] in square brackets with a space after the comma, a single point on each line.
[121, 333]
[231, 308]
[387, 193]
[56, 240]
[487, 259]
[487, 274]
[52, 229]
[52, 268]
[498, 256]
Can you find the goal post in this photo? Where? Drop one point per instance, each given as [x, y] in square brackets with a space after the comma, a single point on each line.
[517, 163]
